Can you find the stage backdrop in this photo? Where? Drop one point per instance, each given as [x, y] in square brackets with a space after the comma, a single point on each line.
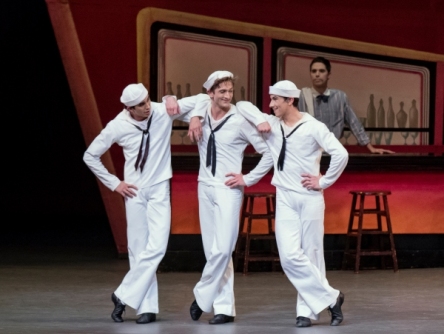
[98, 41]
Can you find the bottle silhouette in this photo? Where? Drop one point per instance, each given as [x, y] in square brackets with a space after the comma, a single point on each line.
[381, 114]
[413, 120]
[243, 93]
[390, 122]
[187, 90]
[413, 115]
[371, 113]
[179, 92]
[169, 88]
[380, 117]
[401, 116]
[390, 115]
[179, 122]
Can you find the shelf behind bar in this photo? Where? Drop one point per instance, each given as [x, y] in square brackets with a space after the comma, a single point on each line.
[419, 158]
[418, 149]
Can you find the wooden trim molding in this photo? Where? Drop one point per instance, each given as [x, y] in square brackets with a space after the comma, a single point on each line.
[86, 107]
[148, 16]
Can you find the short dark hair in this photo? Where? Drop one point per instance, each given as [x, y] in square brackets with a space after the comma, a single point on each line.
[219, 81]
[322, 60]
[295, 101]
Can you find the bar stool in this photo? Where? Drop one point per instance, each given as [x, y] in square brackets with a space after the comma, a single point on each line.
[359, 231]
[244, 238]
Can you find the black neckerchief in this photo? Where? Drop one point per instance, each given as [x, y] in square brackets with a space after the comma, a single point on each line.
[284, 145]
[147, 145]
[211, 147]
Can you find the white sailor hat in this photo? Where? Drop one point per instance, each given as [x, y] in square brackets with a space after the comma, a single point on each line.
[285, 88]
[215, 76]
[133, 94]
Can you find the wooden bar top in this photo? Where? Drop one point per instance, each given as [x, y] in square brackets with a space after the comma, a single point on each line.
[421, 162]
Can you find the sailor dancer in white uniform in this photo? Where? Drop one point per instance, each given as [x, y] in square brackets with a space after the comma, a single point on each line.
[225, 135]
[296, 141]
[143, 130]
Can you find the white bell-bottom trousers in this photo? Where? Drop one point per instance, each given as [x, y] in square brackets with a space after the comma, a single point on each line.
[148, 227]
[300, 238]
[219, 210]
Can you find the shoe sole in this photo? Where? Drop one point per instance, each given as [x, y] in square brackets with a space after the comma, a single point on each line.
[144, 322]
[152, 318]
[306, 322]
[304, 325]
[221, 323]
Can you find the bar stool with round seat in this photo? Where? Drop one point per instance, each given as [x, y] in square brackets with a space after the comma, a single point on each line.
[245, 237]
[360, 211]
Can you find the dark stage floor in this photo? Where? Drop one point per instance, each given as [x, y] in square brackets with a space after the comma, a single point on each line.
[64, 287]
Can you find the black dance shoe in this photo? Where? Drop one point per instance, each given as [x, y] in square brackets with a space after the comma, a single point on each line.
[303, 322]
[336, 312]
[119, 308]
[195, 311]
[221, 319]
[146, 318]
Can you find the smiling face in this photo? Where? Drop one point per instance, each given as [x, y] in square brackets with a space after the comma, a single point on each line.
[280, 105]
[319, 75]
[142, 110]
[221, 95]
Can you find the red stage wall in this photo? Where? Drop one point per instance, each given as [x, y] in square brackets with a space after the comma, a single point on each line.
[416, 202]
[106, 31]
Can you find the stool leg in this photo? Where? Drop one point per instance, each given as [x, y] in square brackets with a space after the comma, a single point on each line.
[380, 236]
[240, 236]
[247, 237]
[273, 202]
[269, 213]
[349, 230]
[270, 230]
[359, 236]
[392, 241]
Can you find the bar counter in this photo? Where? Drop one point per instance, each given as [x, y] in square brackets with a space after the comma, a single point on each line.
[416, 205]
[416, 181]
